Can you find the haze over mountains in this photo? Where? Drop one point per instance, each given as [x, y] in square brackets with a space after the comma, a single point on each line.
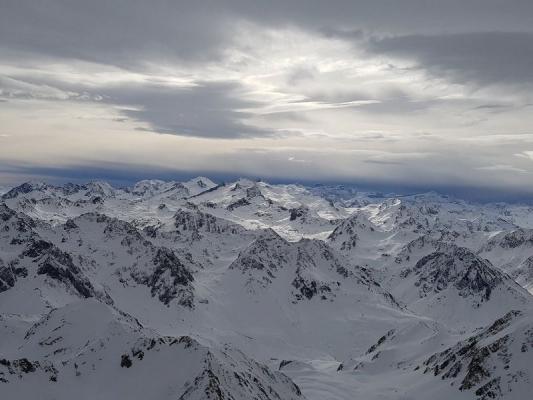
[196, 290]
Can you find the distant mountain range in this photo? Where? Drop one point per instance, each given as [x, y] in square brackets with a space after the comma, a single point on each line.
[249, 290]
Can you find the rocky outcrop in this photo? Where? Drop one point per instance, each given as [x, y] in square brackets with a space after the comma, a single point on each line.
[58, 265]
[346, 235]
[511, 240]
[169, 280]
[9, 275]
[194, 221]
[491, 363]
[24, 188]
[457, 267]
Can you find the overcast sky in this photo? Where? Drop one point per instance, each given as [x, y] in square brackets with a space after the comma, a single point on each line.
[412, 93]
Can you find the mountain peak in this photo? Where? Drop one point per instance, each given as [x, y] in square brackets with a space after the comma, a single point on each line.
[25, 188]
[459, 267]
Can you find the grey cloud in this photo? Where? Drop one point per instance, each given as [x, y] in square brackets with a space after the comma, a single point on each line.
[483, 58]
[338, 95]
[11, 88]
[502, 168]
[213, 109]
[206, 109]
[383, 162]
[301, 75]
[127, 33]
[351, 34]
[490, 107]
[209, 109]
[390, 101]
[350, 17]
[127, 174]
[119, 174]
[470, 41]
[131, 32]
[396, 106]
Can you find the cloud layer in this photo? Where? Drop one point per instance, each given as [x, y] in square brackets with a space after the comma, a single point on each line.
[422, 94]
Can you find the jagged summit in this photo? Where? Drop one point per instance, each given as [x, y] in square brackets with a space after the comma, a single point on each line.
[198, 185]
[459, 267]
[451, 280]
[25, 188]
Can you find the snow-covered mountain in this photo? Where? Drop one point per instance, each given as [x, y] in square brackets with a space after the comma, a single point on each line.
[88, 350]
[198, 290]
[494, 363]
[456, 287]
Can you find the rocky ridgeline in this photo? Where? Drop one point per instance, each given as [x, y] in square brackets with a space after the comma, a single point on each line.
[457, 267]
[491, 362]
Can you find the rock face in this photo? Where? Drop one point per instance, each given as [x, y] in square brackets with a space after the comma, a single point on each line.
[298, 213]
[346, 235]
[454, 275]
[313, 269]
[28, 254]
[197, 222]
[166, 274]
[512, 251]
[492, 363]
[262, 259]
[511, 240]
[25, 188]
[170, 279]
[16, 228]
[152, 188]
[523, 274]
[457, 267]
[9, 275]
[58, 265]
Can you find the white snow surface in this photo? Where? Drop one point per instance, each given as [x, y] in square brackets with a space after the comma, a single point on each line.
[198, 290]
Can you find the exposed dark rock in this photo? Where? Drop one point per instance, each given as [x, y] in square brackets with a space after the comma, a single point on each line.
[298, 212]
[490, 390]
[24, 365]
[238, 203]
[197, 221]
[37, 248]
[9, 275]
[6, 213]
[309, 288]
[125, 361]
[213, 189]
[59, 266]
[479, 362]
[380, 341]
[458, 267]
[70, 224]
[169, 280]
[25, 188]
